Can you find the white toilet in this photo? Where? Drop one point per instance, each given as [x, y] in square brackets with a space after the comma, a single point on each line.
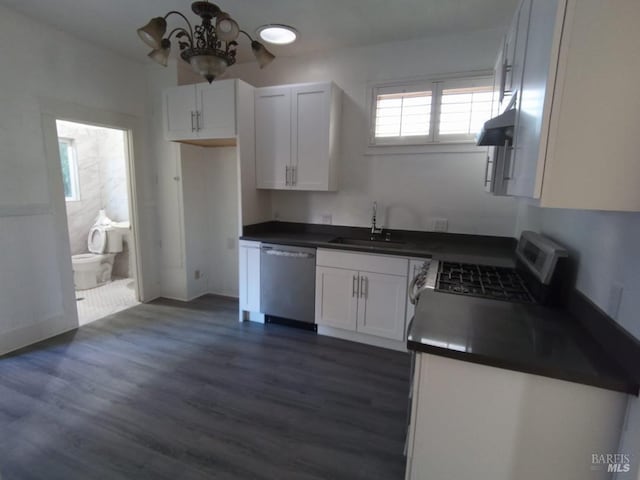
[93, 269]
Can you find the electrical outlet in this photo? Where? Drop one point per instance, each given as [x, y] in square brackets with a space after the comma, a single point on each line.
[326, 218]
[440, 224]
[615, 298]
[196, 274]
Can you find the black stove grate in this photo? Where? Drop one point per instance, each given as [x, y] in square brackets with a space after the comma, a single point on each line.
[499, 283]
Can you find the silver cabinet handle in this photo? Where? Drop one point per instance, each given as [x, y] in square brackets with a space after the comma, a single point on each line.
[503, 80]
[193, 123]
[363, 286]
[354, 286]
[286, 175]
[198, 125]
[487, 180]
[507, 168]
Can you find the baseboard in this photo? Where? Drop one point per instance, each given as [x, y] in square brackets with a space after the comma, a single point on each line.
[36, 332]
[363, 338]
[224, 295]
[251, 316]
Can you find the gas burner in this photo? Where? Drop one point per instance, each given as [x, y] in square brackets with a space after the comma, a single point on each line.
[498, 283]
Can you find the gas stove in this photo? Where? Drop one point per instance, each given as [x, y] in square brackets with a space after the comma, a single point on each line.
[498, 283]
[538, 276]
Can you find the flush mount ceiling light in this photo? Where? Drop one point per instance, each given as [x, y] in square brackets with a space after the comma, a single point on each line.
[209, 48]
[277, 34]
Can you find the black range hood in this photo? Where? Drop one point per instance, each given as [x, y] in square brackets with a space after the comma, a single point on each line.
[499, 130]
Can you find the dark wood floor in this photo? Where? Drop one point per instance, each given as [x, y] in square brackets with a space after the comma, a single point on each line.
[183, 391]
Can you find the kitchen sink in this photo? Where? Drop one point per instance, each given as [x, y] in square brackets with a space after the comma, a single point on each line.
[361, 242]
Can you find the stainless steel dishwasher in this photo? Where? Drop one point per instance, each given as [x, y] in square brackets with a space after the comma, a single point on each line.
[288, 282]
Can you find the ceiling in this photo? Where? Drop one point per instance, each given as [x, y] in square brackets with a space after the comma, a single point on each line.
[322, 24]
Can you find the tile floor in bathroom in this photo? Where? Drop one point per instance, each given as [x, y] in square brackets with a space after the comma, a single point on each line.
[99, 302]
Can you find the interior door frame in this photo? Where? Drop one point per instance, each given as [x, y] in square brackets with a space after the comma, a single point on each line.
[133, 129]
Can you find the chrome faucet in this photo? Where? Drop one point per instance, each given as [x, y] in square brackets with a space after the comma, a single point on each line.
[375, 230]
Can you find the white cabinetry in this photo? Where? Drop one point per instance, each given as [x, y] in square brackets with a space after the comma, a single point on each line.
[200, 112]
[273, 136]
[362, 293]
[297, 136]
[337, 297]
[475, 421]
[249, 276]
[575, 141]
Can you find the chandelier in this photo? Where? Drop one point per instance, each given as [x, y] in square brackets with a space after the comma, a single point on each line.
[209, 48]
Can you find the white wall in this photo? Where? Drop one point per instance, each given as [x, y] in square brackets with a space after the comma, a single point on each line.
[413, 189]
[222, 181]
[605, 245]
[210, 195]
[45, 72]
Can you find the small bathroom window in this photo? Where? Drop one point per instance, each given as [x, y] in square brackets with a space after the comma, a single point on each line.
[69, 169]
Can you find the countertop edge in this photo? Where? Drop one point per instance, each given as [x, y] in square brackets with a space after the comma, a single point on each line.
[608, 384]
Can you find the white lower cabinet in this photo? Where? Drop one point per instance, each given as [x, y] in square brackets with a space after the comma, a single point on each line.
[476, 421]
[249, 277]
[362, 293]
[336, 297]
[381, 305]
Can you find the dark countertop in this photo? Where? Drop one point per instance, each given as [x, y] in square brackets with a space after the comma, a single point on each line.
[522, 337]
[446, 246]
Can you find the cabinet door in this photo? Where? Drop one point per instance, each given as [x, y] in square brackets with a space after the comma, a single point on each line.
[517, 45]
[179, 113]
[249, 276]
[535, 78]
[336, 297]
[310, 106]
[273, 136]
[216, 109]
[381, 305]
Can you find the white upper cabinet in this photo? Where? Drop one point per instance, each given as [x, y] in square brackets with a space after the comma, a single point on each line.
[273, 136]
[297, 136]
[575, 141]
[535, 75]
[200, 112]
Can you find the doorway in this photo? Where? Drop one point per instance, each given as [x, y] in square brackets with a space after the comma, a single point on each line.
[95, 166]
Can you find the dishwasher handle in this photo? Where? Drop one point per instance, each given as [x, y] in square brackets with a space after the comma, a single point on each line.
[286, 253]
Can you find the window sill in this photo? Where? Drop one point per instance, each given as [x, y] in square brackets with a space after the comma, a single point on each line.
[429, 148]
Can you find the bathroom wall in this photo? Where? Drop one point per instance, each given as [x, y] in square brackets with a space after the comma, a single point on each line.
[102, 179]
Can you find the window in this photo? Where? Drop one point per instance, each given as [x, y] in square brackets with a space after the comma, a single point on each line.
[435, 112]
[69, 169]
